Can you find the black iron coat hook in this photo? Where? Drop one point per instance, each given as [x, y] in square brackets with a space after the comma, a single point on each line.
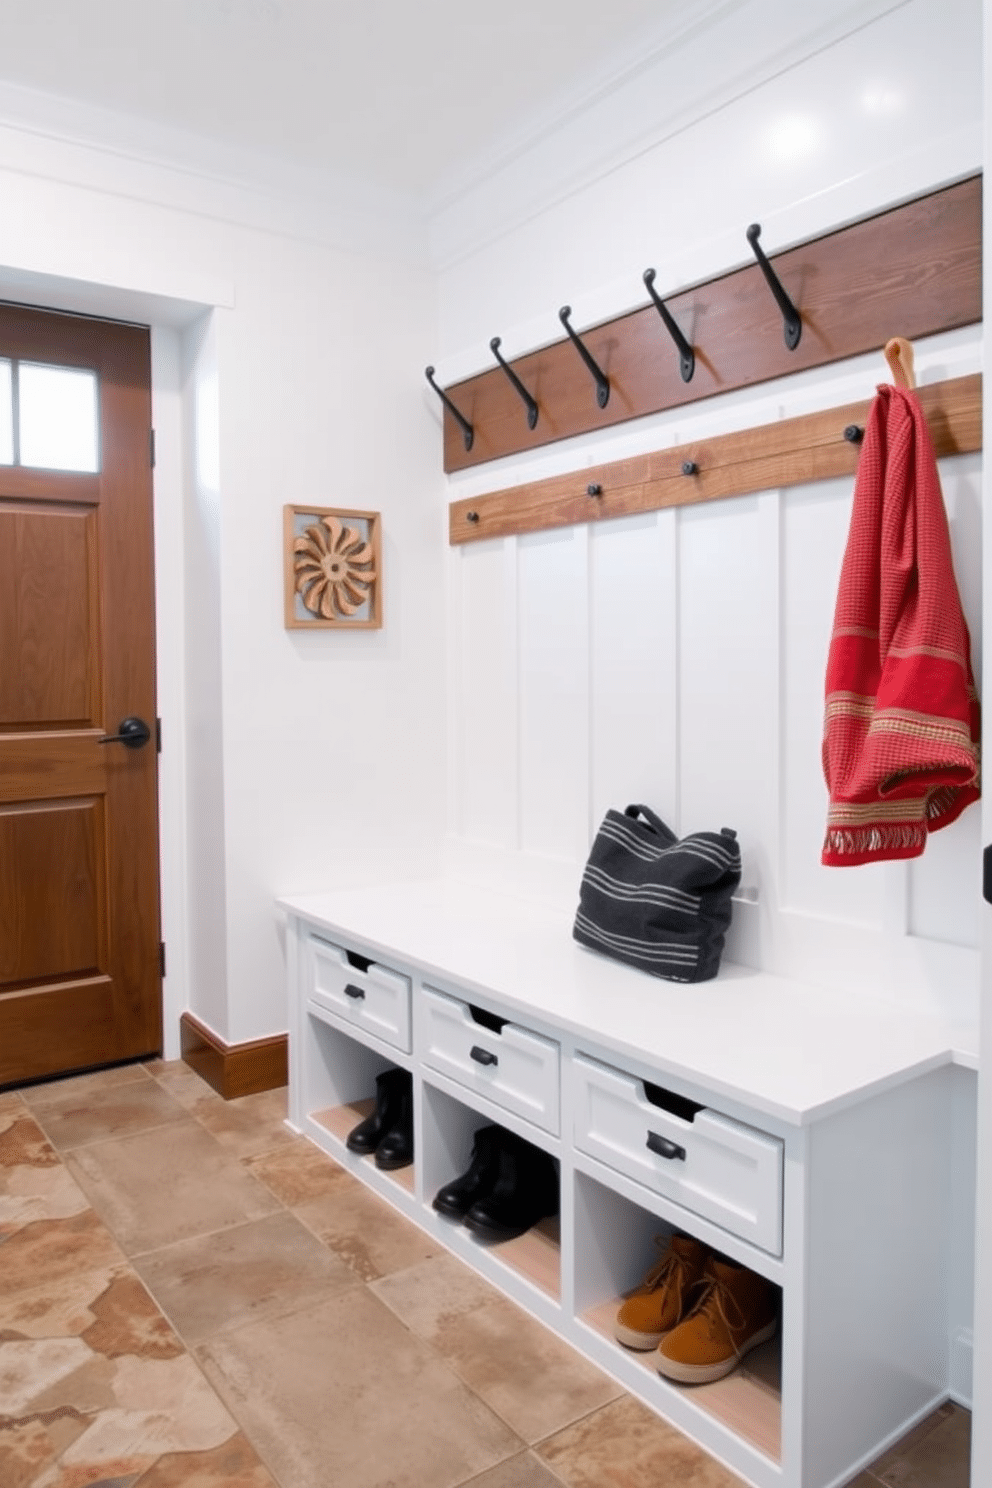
[468, 433]
[602, 381]
[687, 357]
[793, 320]
[531, 403]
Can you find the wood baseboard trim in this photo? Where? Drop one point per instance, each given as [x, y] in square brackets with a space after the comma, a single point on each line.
[234, 1069]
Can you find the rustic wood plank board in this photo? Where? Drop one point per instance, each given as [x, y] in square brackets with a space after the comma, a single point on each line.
[789, 452]
[912, 271]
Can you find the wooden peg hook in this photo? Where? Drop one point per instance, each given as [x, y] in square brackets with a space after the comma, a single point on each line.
[899, 355]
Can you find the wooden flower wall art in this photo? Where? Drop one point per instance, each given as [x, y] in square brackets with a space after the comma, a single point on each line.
[332, 569]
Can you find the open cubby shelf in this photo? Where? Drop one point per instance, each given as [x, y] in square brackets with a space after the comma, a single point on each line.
[339, 1120]
[617, 1242]
[748, 1401]
[449, 1125]
[535, 1256]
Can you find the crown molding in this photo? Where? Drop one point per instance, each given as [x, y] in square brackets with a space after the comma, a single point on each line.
[565, 105]
[677, 78]
[663, 82]
[80, 144]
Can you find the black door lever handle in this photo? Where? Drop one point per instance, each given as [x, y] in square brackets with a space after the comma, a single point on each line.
[133, 733]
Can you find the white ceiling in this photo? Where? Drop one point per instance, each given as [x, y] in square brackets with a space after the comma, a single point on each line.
[404, 94]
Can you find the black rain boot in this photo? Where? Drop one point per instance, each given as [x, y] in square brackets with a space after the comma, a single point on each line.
[366, 1136]
[456, 1198]
[396, 1148]
[525, 1191]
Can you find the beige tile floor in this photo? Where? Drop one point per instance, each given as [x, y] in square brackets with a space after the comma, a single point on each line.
[191, 1296]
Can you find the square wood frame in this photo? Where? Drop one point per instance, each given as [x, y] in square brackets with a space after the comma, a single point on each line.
[317, 622]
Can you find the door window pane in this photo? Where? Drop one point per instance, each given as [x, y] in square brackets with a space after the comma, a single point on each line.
[6, 415]
[57, 418]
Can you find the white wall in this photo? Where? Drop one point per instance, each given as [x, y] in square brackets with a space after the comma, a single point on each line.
[201, 725]
[287, 369]
[333, 743]
[679, 657]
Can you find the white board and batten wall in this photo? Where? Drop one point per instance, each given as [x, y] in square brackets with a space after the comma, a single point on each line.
[677, 658]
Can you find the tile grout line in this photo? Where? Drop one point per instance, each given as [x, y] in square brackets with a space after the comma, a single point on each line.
[126, 1265]
[239, 1224]
[116, 1137]
[452, 1367]
[528, 1452]
[587, 1416]
[238, 1423]
[448, 1365]
[872, 1477]
[241, 1426]
[452, 1364]
[235, 1159]
[60, 1088]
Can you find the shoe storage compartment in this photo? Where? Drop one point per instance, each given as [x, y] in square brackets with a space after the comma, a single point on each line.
[359, 992]
[615, 1249]
[841, 1206]
[510, 1065]
[714, 1166]
[449, 1128]
[339, 1080]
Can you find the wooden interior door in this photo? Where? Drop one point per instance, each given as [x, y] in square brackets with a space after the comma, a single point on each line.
[80, 975]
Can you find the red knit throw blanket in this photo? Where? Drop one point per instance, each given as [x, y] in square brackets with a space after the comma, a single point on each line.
[901, 733]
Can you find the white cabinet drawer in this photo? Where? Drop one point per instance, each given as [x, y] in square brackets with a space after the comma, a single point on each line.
[377, 1000]
[719, 1168]
[513, 1067]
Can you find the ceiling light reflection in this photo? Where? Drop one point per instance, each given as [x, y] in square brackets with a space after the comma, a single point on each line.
[883, 100]
[794, 137]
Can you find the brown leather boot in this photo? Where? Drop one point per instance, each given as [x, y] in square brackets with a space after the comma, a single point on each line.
[657, 1305]
[732, 1311]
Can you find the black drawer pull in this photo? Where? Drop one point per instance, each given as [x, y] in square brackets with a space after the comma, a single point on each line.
[351, 990]
[482, 1056]
[664, 1147]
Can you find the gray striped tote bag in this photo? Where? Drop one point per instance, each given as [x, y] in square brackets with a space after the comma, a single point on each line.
[653, 901]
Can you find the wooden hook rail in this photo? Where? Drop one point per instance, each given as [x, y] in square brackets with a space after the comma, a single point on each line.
[793, 452]
[917, 267]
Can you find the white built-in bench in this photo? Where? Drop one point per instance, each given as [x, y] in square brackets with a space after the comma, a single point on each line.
[820, 1157]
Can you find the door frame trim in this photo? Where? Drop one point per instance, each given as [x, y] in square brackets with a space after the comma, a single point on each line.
[169, 319]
